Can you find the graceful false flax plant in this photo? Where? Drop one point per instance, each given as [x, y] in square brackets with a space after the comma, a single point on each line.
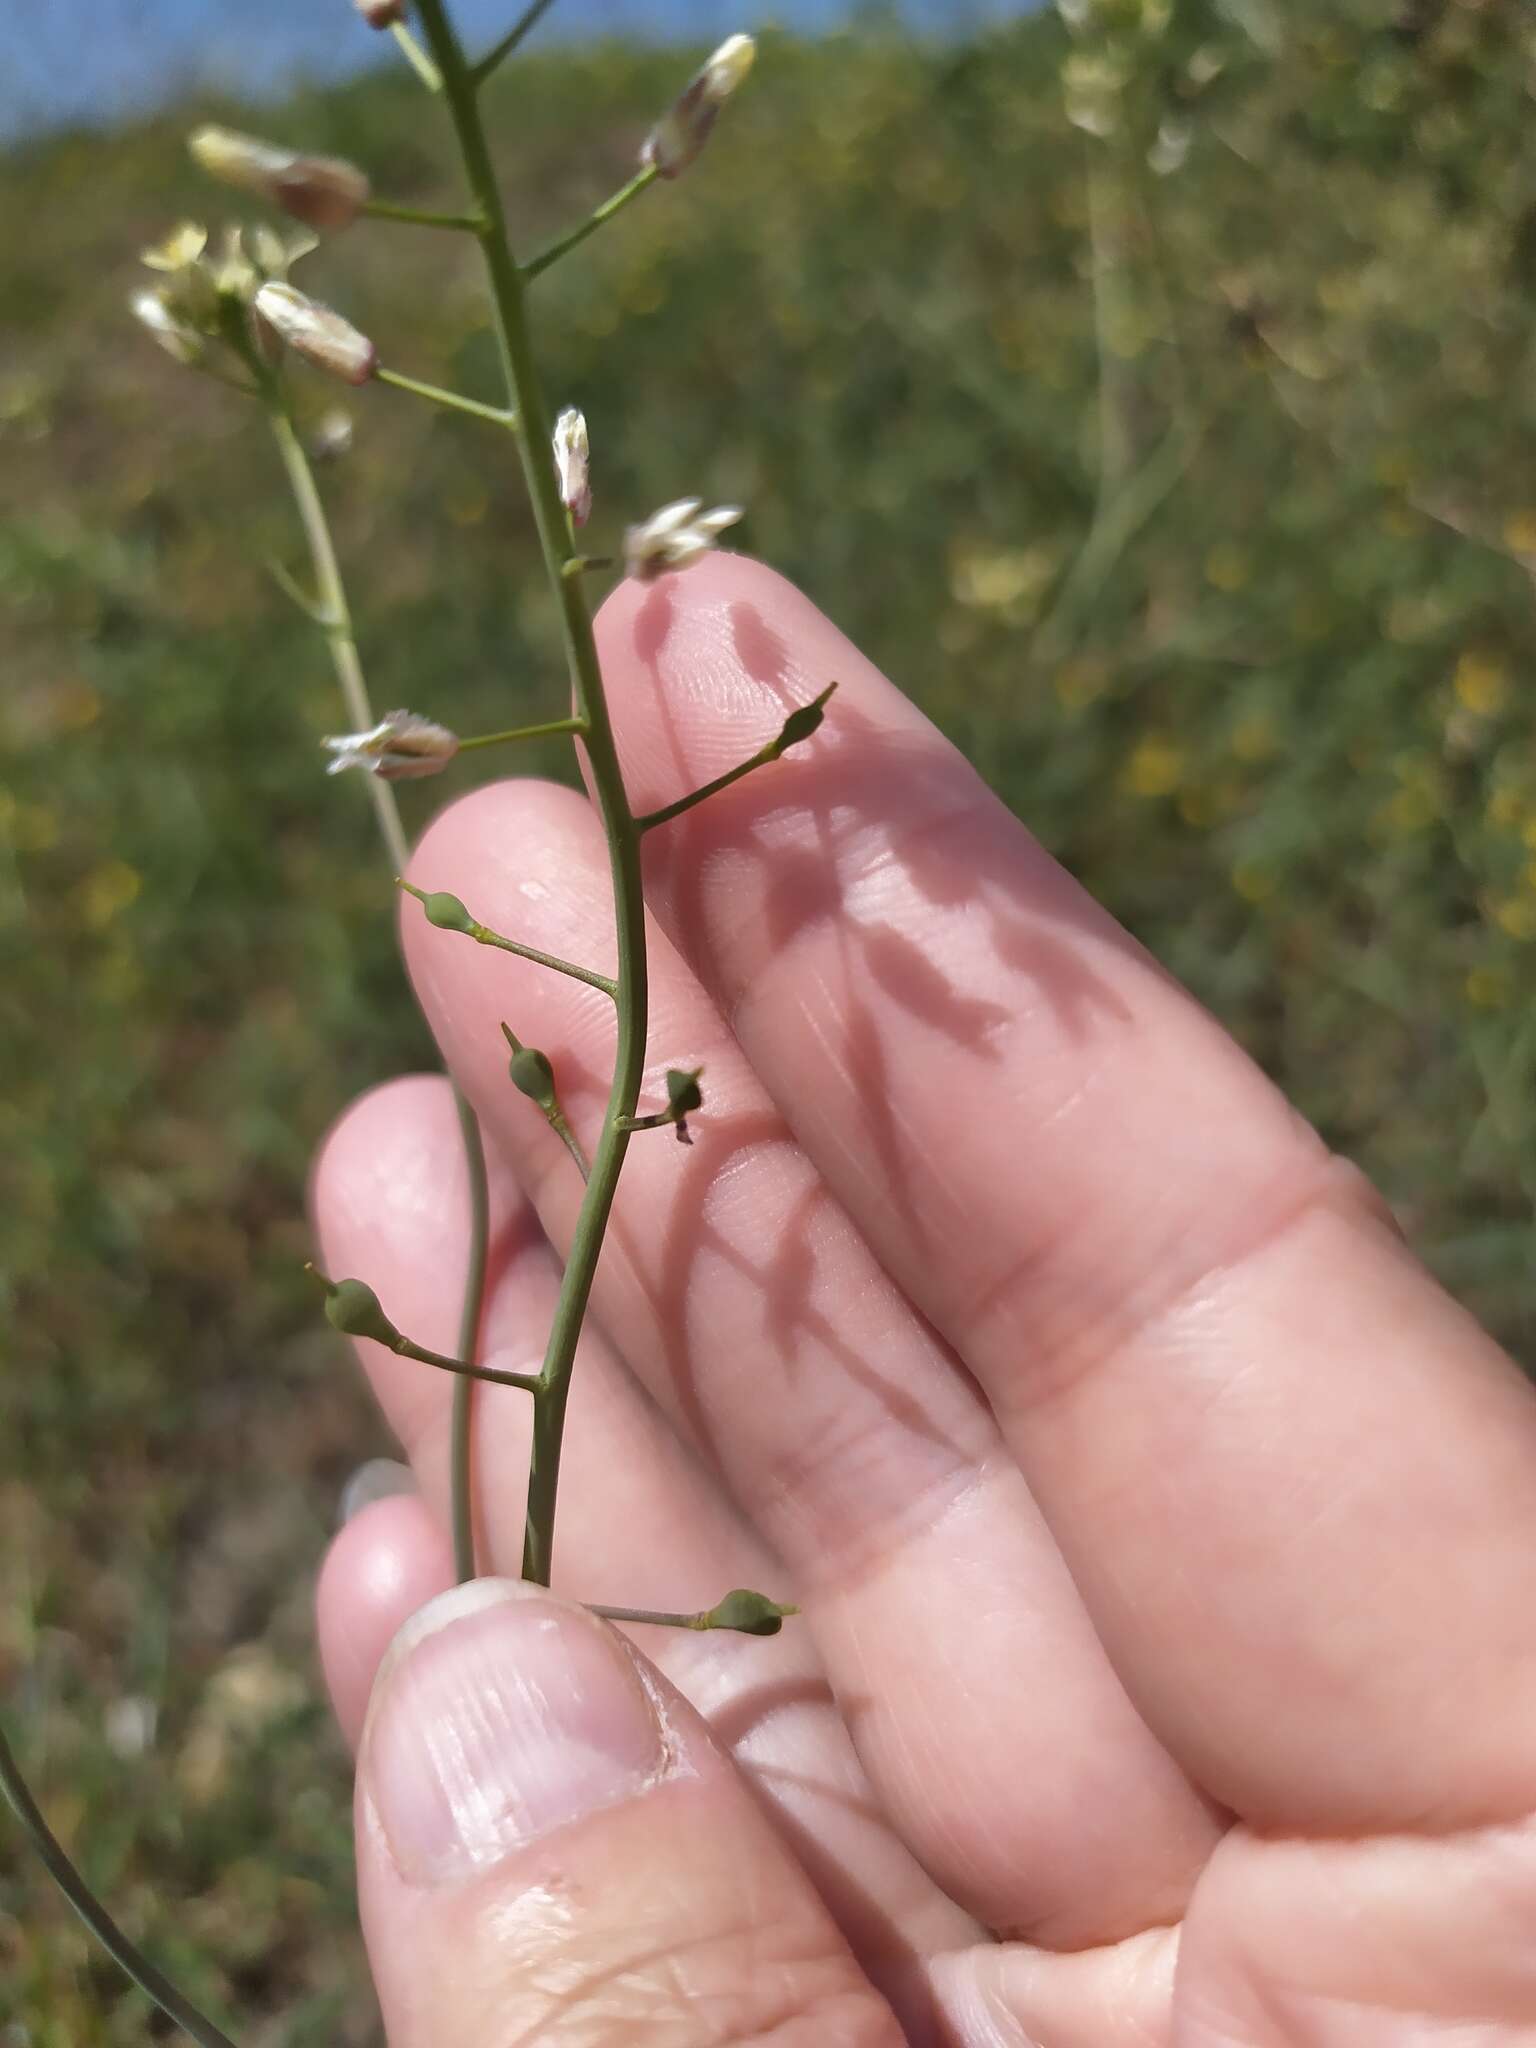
[232, 311]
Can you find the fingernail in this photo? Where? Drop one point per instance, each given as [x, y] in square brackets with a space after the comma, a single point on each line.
[379, 1479]
[498, 1716]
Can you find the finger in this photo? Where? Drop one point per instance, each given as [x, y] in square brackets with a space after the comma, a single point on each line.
[1296, 1486]
[384, 1564]
[759, 1320]
[639, 1524]
[551, 1848]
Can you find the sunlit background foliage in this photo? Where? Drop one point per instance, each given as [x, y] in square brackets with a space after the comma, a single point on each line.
[1151, 391]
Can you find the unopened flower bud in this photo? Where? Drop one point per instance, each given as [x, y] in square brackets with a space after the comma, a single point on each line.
[322, 191]
[313, 331]
[402, 747]
[381, 13]
[684, 129]
[573, 464]
[674, 537]
[173, 335]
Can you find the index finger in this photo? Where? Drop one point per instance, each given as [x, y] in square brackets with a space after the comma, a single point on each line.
[1295, 1484]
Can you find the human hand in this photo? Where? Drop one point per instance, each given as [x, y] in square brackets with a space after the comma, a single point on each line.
[1166, 1539]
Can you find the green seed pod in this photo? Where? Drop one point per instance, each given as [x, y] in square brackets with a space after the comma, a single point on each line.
[447, 912]
[749, 1614]
[352, 1307]
[533, 1076]
[684, 1095]
[802, 723]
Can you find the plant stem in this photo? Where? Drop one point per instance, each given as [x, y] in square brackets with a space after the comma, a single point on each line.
[460, 92]
[421, 217]
[95, 1915]
[641, 182]
[332, 595]
[404, 1348]
[462, 1423]
[452, 401]
[698, 796]
[528, 20]
[524, 732]
[417, 57]
[354, 689]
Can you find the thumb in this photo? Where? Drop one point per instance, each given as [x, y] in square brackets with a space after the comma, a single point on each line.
[552, 1849]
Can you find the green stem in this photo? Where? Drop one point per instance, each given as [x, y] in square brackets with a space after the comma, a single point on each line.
[417, 57]
[404, 1348]
[686, 803]
[524, 732]
[333, 604]
[462, 1422]
[354, 689]
[626, 194]
[452, 401]
[96, 1917]
[525, 393]
[422, 217]
[499, 52]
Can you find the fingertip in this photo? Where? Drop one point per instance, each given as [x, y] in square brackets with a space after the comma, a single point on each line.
[384, 1565]
[367, 1147]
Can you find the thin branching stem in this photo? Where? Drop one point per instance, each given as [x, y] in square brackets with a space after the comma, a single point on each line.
[549, 730]
[334, 615]
[625, 196]
[462, 1421]
[451, 401]
[526, 396]
[422, 217]
[698, 796]
[123, 1952]
[498, 53]
[417, 57]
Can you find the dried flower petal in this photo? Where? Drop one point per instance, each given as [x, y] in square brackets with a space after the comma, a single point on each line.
[173, 335]
[313, 331]
[402, 747]
[573, 464]
[181, 247]
[684, 129]
[322, 191]
[675, 537]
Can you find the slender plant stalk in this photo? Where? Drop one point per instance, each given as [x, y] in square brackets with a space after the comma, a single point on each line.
[417, 58]
[642, 181]
[96, 1917]
[334, 611]
[525, 395]
[548, 730]
[494, 57]
[453, 401]
[421, 216]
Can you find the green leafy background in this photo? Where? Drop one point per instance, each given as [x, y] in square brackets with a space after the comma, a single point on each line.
[1158, 407]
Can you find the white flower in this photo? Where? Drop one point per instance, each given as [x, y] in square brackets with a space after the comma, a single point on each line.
[684, 129]
[674, 537]
[174, 336]
[573, 464]
[401, 747]
[381, 13]
[321, 191]
[316, 333]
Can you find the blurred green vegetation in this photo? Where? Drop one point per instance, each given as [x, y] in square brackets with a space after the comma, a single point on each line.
[1157, 405]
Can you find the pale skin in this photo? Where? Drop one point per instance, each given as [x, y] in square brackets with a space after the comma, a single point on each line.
[1166, 1538]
